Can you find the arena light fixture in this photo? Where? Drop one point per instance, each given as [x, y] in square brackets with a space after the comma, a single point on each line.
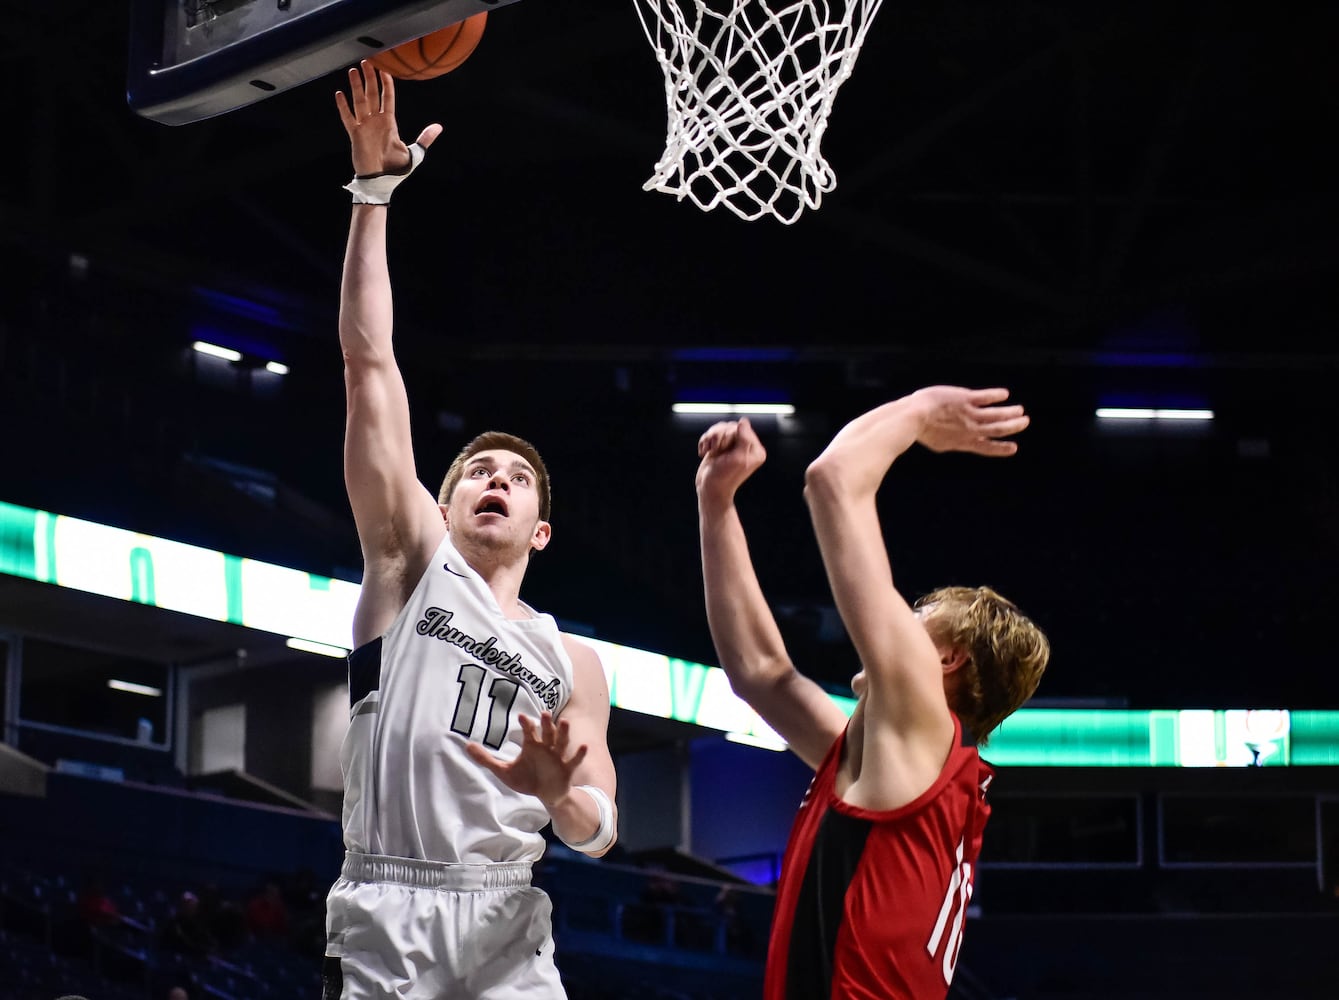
[735, 409]
[131, 688]
[215, 351]
[276, 367]
[1150, 413]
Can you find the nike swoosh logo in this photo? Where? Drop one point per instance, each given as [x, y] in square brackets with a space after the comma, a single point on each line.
[447, 567]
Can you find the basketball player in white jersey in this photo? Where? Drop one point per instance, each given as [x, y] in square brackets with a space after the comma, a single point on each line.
[474, 722]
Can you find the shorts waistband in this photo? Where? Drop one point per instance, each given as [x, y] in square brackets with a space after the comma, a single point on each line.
[434, 874]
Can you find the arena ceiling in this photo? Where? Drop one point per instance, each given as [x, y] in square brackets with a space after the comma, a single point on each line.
[1019, 176]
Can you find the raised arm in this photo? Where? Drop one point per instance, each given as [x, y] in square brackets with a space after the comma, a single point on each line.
[398, 520]
[903, 668]
[748, 642]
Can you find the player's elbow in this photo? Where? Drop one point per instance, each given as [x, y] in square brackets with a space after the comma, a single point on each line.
[362, 360]
[756, 687]
[748, 684]
[745, 687]
[827, 480]
[365, 344]
[603, 850]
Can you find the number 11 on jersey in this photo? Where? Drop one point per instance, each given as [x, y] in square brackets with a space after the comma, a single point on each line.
[501, 694]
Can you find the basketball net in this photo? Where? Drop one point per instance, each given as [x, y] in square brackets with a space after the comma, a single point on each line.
[749, 85]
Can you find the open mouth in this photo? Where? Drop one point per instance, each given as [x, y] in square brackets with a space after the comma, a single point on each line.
[491, 505]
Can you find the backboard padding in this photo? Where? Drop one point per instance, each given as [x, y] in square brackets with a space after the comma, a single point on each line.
[193, 59]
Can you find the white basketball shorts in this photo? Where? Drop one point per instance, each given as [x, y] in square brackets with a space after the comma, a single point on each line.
[421, 930]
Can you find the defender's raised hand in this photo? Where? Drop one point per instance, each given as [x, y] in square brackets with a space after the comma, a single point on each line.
[730, 453]
[370, 122]
[957, 419]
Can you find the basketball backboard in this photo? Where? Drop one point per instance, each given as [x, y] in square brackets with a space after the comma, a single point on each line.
[193, 59]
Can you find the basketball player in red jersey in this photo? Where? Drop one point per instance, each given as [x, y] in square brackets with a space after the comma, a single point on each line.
[879, 868]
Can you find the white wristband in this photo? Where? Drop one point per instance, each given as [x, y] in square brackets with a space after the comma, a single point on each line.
[604, 833]
[376, 189]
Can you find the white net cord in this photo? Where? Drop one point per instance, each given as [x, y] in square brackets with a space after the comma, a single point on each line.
[749, 85]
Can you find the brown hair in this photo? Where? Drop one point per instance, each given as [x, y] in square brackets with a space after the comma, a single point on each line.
[499, 441]
[1006, 653]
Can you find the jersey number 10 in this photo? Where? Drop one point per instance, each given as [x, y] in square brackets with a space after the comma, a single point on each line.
[955, 906]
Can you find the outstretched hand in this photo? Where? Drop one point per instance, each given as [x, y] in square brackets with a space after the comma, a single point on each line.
[730, 453]
[544, 767]
[957, 419]
[370, 122]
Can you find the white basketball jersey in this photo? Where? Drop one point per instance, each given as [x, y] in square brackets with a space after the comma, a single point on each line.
[450, 669]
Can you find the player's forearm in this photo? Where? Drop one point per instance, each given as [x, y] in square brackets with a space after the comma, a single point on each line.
[748, 642]
[855, 462]
[576, 821]
[365, 313]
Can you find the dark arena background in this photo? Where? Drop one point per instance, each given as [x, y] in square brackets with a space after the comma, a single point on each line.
[1096, 205]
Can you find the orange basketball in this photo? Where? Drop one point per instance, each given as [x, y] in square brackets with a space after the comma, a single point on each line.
[434, 54]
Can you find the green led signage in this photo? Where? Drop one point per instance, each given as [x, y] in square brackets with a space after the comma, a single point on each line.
[129, 566]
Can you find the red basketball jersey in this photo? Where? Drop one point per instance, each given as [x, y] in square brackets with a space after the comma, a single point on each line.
[872, 905]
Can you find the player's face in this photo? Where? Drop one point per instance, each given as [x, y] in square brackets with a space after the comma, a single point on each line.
[496, 501]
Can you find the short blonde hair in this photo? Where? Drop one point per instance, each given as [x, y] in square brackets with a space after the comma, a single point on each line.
[499, 441]
[1006, 653]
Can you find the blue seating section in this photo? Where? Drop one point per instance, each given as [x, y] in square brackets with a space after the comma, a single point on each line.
[623, 932]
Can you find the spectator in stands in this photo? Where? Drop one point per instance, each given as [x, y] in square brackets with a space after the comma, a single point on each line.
[95, 907]
[223, 917]
[737, 938]
[303, 891]
[98, 916]
[306, 909]
[661, 890]
[186, 931]
[648, 919]
[267, 914]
